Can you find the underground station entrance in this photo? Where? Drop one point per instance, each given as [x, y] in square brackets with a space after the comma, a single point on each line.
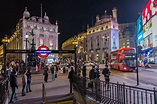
[42, 53]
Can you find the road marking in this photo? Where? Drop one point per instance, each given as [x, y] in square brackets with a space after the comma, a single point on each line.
[64, 102]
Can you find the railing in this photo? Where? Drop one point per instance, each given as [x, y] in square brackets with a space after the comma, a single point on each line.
[114, 92]
[3, 91]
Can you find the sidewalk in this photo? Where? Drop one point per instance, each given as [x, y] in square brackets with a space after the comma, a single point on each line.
[53, 88]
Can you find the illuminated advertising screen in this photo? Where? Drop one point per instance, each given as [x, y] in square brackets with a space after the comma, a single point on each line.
[140, 36]
[149, 11]
[139, 24]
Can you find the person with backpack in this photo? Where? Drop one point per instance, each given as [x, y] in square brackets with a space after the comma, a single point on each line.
[106, 72]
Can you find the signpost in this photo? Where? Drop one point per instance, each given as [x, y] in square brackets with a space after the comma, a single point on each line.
[43, 51]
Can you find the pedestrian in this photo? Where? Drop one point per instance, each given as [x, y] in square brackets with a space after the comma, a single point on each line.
[24, 82]
[70, 77]
[29, 76]
[45, 74]
[106, 72]
[13, 85]
[92, 76]
[97, 72]
[84, 71]
[52, 72]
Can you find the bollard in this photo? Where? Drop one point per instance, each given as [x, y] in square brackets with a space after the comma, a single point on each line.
[43, 93]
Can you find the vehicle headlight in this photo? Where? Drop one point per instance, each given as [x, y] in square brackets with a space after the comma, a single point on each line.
[124, 68]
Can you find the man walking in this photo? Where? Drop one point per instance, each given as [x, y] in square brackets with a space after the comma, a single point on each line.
[106, 72]
[70, 76]
[52, 72]
[92, 76]
[24, 82]
[13, 85]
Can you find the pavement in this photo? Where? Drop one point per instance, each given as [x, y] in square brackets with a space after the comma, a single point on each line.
[53, 88]
[60, 87]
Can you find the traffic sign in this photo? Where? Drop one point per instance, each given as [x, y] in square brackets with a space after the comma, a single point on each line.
[43, 51]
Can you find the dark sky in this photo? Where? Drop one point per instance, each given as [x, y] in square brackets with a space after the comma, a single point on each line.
[72, 15]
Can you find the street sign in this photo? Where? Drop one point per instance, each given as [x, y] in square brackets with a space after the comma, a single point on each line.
[43, 51]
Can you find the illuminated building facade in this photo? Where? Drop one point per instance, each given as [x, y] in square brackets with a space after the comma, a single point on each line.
[147, 32]
[103, 37]
[81, 46]
[127, 35]
[44, 32]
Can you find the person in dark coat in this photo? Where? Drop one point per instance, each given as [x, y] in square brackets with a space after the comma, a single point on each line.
[84, 71]
[46, 74]
[92, 77]
[70, 77]
[28, 87]
[13, 84]
[106, 72]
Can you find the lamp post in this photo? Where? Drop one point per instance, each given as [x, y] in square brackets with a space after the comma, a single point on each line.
[137, 73]
[75, 47]
[26, 36]
[5, 41]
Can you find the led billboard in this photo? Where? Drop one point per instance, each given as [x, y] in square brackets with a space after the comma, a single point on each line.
[149, 11]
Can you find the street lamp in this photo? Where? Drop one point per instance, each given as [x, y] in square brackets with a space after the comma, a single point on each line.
[26, 36]
[75, 43]
[5, 41]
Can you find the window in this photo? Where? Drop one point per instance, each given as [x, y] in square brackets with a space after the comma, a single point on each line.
[128, 42]
[51, 42]
[41, 42]
[128, 51]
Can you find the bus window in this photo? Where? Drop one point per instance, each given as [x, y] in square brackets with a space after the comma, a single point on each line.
[128, 51]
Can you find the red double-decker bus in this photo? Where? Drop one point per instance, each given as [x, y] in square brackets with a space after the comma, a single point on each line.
[123, 59]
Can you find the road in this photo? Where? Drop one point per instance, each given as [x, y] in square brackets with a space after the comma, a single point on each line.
[147, 77]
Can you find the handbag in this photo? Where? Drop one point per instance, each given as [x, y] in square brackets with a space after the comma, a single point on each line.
[55, 75]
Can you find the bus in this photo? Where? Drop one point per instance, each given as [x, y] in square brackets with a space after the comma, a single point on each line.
[123, 59]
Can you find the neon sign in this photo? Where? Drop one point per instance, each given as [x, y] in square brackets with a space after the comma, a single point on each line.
[149, 11]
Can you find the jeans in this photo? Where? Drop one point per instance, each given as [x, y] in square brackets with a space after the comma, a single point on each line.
[53, 77]
[71, 87]
[13, 93]
[23, 89]
[28, 88]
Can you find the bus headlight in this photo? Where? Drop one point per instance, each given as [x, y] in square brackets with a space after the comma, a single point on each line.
[124, 68]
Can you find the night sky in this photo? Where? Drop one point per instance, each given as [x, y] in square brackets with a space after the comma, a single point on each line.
[72, 15]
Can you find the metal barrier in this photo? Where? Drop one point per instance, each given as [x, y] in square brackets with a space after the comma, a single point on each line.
[114, 93]
[3, 91]
[44, 98]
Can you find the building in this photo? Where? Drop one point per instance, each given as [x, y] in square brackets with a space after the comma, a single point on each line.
[39, 30]
[127, 35]
[79, 42]
[147, 32]
[103, 37]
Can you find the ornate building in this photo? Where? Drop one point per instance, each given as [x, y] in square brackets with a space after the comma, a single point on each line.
[103, 37]
[127, 34]
[39, 30]
[80, 44]
[98, 41]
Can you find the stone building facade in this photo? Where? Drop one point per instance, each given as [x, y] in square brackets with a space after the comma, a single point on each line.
[44, 33]
[103, 37]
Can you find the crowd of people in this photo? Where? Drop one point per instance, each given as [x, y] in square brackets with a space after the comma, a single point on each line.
[94, 74]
